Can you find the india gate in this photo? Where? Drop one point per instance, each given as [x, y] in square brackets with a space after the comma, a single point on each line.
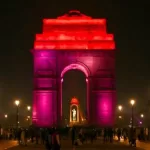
[79, 42]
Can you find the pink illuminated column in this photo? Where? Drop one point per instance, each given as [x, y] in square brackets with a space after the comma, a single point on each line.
[45, 85]
[43, 108]
[61, 82]
[104, 114]
[59, 102]
[103, 100]
[87, 98]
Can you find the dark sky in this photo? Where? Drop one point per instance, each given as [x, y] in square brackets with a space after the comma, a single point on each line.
[22, 19]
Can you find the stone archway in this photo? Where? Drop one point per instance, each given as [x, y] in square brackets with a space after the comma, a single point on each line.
[77, 66]
[66, 41]
[85, 70]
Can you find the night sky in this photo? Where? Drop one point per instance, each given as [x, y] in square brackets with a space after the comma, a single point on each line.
[22, 19]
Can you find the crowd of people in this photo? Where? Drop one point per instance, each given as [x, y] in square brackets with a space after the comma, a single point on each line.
[51, 137]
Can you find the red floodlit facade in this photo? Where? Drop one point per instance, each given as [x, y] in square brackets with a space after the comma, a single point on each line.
[77, 32]
[74, 41]
[74, 101]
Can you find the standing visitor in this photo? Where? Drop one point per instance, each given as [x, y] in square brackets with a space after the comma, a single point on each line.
[55, 140]
[48, 140]
[73, 134]
[105, 135]
[119, 134]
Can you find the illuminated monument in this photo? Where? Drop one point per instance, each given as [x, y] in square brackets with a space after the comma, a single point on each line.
[74, 111]
[74, 41]
[76, 115]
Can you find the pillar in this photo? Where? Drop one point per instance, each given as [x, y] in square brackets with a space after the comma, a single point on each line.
[45, 89]
[104, 93]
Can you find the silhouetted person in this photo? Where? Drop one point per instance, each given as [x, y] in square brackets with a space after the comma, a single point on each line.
[19, 135]
[43, 136]
[119, 134]
[55, 140]
[110, 134]
[105, 135]
[37, 135]
[73, 134]
[124, 134]
[92, 136]
[48, 139]
[32, 135]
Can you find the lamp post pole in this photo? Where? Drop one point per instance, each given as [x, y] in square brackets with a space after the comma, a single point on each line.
[28, 117]
[141, 122]
[17, 117]
[5, 119]
[17, 102]
[132, 118]
[132, 102]
[120, 116]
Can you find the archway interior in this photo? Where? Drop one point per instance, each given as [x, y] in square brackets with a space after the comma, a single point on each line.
[74, 85]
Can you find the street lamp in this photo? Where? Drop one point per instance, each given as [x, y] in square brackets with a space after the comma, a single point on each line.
[6, 116]
[142, 116]
[120, 108]
[28, 117]
[132, 102]
[17, 102]
[120, 117]
[28, 108]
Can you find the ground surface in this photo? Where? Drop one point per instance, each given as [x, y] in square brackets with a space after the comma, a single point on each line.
[5, 144]
[143, 145]
[99, 145]
[66, 145]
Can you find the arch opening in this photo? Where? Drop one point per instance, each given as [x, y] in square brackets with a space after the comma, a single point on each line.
[75, 66]
[74, 83]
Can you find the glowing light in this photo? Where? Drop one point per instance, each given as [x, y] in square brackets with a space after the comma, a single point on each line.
[74, 45]
[74, 31]
[74, 17]
[80, 37]
[104, 108]
[17, 102]
[74, 21]
[132, 102]
[5, 115]
[74, 101]
[45, 115]
[142, 116]
[120, 107]
[74, 66]
[28, 108]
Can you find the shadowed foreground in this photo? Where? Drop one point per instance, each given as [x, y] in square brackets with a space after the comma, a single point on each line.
[7, 144]
[67, 146]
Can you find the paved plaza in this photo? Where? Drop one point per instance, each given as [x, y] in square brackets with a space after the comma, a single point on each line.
[5, 144]
[143, 145]
[98, 145]
[66, 145]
